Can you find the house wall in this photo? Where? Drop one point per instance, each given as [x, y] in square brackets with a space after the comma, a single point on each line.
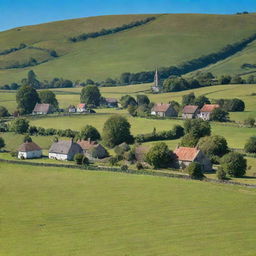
[72, 110]
[59, 156]
[204, 161]
[81, 110]
[30, 154]
[187, 116]
[204, 115]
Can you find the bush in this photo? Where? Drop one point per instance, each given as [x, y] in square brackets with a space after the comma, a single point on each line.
[234, 164]
[221, 175]
[122, 148]
[197, 128]
[189, 141]
[20, 125]
[2, 143]
[79, 158]
[89, 132]
[3, 111]
[124, 167]
[250, 146]
[250, 121]
[27, 138]
[219, 115]
[85, 161]
[194, 170]
[113, 161]
[139, 166]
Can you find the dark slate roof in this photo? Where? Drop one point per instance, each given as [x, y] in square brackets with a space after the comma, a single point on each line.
[65, 147]
[190, 109]
[29, 146]
[44, 108]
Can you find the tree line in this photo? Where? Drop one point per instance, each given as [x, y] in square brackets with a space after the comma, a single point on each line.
[109, 31]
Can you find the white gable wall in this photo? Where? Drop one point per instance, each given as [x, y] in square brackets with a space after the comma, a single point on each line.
[30, 154]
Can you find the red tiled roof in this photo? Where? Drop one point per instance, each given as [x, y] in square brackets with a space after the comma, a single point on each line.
[190, 109]
[87, 144]
[81, 105]
[111, 100]
[28, 146]
[209, 107]
[161, 107]
[42, 108]
[186, 153]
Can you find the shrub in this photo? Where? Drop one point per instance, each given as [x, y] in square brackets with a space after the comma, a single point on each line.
[250, 121]
[221, 175]
[197, 127]
[3, 111]
[85, 160]
[79, 158]
[124, 167]
[27, 138]
[195, 171]
[20, 125]
[219, 115]
[189, 140]
[250, 146]
[2, 143]
[139, 166]
[113, 160]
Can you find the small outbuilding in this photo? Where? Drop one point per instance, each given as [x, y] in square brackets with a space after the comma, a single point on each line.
[42, 109]
[190, 112]
[206, 110]
[72, 109]
[164, 110]
[187, 155]
[29, 150]
[64, 150]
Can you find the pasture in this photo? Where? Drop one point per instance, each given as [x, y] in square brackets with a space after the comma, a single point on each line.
[52, 211]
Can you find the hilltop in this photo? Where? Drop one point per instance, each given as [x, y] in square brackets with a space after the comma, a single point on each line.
[169, 39]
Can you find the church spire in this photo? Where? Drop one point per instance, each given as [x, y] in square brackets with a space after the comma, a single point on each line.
[156, 79]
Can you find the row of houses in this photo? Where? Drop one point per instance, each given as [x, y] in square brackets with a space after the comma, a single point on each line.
[188, 112]
[64, 150]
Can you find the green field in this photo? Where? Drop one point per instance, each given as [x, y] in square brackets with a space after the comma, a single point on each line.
[52, 211]
[169, 40]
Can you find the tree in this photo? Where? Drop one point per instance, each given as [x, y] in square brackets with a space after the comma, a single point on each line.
[225, 79]
[20, 125]
[2, 143]
[3, 111]
[236, 80]
[236, 105]
[48, 97]
[201, 100]
[132, 110]
[89, 132]
[116, 130]
[160, 156]
[127, 100]
[250, 146]
[79, 158]
[234, 164]
[89, 81]
[197, 127]
[195, 170]
[143, 100]
[189, 140]
[175, 84]
[90, 95]
[221, 175]
[214, 145]
[250, 121]
[27, 138]
[26, 99]
[188, 99]
[31, 79]
[219, 115]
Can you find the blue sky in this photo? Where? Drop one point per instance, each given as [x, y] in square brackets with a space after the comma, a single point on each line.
[15, 13]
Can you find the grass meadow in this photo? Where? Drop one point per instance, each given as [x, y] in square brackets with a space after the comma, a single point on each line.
[52, 211]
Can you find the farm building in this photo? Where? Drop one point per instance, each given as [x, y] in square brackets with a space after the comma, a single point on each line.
[81, 108]
[111, 102]
[164, 110]
[92, 149]
[64, 150]
[72, 109]
[29, 150]
[206, 110]
[42, 109]
[186, 156]
[190, 112]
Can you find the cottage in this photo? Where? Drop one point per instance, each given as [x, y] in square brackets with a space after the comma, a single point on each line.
[206, 110]
[186, 156]
[190, 112]
[42, 109]
[81, 108]
[72, 109]
[29, 150]
[64, 150]
[92, 149]
[111, 102]
[164, 110]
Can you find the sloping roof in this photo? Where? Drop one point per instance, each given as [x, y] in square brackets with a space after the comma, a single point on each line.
[65, 147]
[81, 105]
[209, 107]
[189, 109]
[161, 107]
[29, 146]
[111, 100]
[87, 144]
[186, 153]
[44, 108]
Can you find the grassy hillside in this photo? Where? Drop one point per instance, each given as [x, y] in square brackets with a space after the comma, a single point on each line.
[169, 40]
[52, 211]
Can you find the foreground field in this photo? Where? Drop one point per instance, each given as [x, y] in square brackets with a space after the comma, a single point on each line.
[52, 211]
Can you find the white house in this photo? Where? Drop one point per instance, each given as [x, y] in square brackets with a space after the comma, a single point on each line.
[206, 110]
[72, 109]
[29, 150]
[81, 108]
[64, 150]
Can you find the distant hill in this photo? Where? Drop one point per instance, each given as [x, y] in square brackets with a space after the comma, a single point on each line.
[168, 40]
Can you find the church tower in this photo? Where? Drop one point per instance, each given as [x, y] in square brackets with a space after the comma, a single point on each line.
[156, 87]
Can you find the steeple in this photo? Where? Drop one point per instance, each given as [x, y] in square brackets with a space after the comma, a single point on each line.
[156, 79]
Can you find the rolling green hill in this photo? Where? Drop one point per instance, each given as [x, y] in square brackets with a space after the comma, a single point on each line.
[170, 39]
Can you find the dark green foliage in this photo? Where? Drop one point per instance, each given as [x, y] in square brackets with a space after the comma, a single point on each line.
[160, 156]
[3, 111]
[175, 84]
[79, 158]
[143, 100]
[2, 143]
[127, 100]
[47, 96]
[132, 110]
[14, 49]
[195, 171]
[116, 130]
[124, 167]
[201, 100]
[219, 115]
[20, 125]
[113, 160]
[188, 99]
[231, 105]
[221, 175]
[3, 127]
[31, 80]
[234, 164]
[53, 53]
[27, 138]
[225, 79]
[122, 148]
[90, 132]
[139, 166]
[189, 140]
[236, 80]
[214, 145]
[250, 146]
[26, 99]
[85, 161]
[197, 127]
[250, 121]
[90, 95]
